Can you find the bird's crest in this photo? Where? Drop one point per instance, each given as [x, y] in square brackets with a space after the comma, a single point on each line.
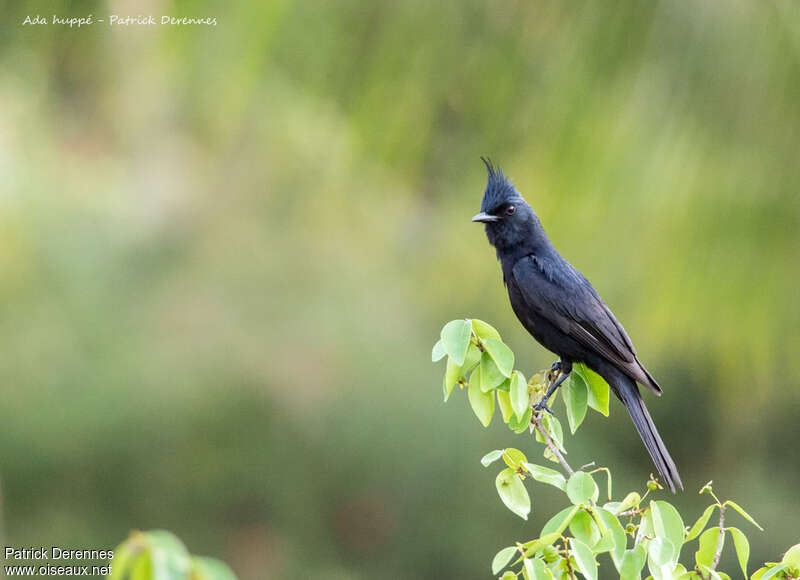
[499, 189]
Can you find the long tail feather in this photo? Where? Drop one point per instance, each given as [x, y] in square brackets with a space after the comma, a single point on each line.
[628, 392]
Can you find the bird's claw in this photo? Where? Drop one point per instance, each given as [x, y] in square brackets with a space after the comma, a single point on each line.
[554, 372]
[556, 375]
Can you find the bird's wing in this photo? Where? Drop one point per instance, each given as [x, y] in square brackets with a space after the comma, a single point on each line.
[562, 295]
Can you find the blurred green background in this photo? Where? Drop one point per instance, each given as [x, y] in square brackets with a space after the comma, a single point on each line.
[225, 253]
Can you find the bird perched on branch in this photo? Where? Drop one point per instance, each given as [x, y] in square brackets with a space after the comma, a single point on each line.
[564, 313]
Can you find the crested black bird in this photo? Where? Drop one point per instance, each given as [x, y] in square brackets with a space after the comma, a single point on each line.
[564, 313]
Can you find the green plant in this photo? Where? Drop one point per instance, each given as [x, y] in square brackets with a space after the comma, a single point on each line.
[630, 532]
[160, 555]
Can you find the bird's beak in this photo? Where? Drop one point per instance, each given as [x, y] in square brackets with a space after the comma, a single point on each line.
[485, 217]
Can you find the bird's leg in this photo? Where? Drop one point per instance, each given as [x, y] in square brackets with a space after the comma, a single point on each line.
[558, 372]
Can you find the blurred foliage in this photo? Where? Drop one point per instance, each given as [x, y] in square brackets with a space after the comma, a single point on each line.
[158, 555]
[223, 250]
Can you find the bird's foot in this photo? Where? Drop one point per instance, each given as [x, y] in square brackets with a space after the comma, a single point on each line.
[557, 375]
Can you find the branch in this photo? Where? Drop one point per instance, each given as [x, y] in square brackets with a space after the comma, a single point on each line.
[569, 566]
[721, 536]
[549, 442]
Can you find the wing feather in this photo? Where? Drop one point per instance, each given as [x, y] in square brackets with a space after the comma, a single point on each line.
[563, 295]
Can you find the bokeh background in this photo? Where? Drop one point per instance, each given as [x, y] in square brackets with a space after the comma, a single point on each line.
[225, 253]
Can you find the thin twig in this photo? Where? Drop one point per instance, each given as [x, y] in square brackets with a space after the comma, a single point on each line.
[721, 536]
[569, 566]
[631, 512]
[549, 442]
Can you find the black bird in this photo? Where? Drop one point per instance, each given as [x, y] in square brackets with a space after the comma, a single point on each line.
[564, 313]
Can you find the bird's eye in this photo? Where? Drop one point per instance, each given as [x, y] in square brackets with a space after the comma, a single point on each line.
[510, 210]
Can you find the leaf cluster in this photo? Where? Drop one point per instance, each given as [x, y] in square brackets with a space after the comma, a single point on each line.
[479, 360]
[634, 535]
[160, 555]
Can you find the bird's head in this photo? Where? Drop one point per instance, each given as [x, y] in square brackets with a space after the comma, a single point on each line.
[510, 221]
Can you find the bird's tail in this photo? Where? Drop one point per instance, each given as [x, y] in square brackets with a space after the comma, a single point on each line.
[628, 392]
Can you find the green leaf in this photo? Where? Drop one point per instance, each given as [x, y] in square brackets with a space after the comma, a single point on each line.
[632, 563]
[559, 522]
[576, 398]
[142, 568]
[700, 524]
[509, 575]
[484, 330]
[164, 540]
[585, 559]
[125, 556]
[555, 430]
[631, 500]
[482, 403]
[506, 387]
[210, 569]
[616, 530]
[552, 426]
[661, 557]
[527, 569]
[792, 556]
[667, 524]
[471, 360]
[540, 544]
[536, 569]
[601, 525]
[581, 488]
[514, 458]
[661, 551]
[709, 540]
[520, 400]
[584, 528]
[608, 475]
[451, 376]
[645, 526]
[501, 354]
[546, 475]
[455, 339]
[521, 425]
[559, 570]
[549, 455]
[742, 547]
[711, 574]
[743, 513]
[491, 377]
[598, 387]
[606, 543]
[504, 402]
[491, 457]
[502, 558]
[680, 573]
[513, 493]
[438, 352]
[169, 557]
[774, 571]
